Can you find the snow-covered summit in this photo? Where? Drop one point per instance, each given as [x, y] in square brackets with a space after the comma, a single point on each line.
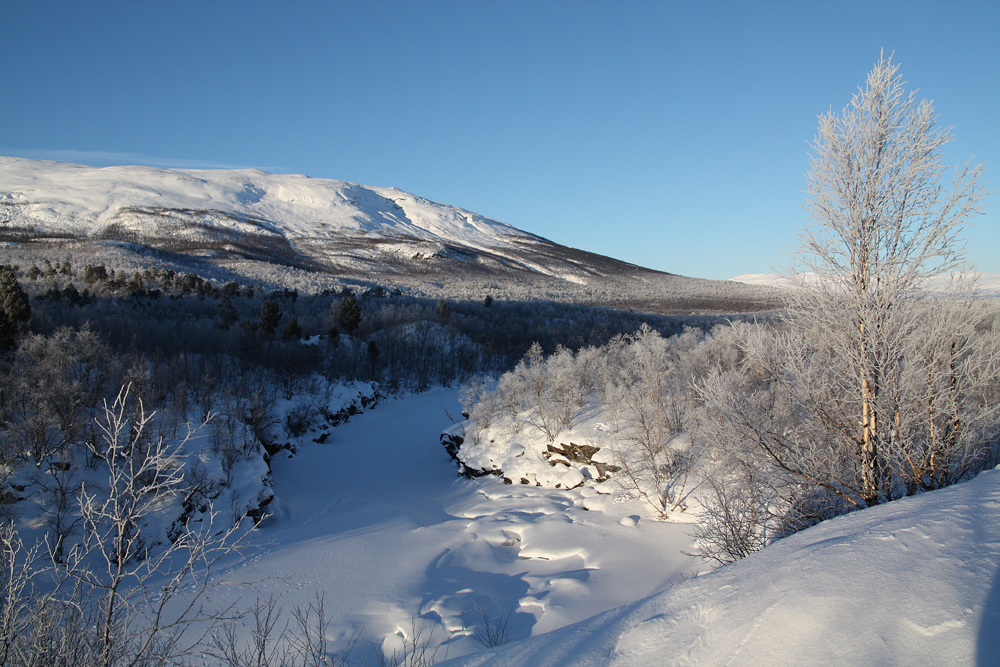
[78, 199]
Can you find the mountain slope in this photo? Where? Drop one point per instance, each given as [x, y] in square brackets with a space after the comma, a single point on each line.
[913, 582]
[333, 227]
[81, 200]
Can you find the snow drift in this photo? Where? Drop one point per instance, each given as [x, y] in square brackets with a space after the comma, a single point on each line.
[912, 582]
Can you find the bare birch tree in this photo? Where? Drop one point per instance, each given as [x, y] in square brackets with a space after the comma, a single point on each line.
[870, 389]
[149, 600]
[885, 227]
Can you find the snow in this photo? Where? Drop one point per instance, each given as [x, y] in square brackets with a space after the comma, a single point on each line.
[913, 582]
[82, 199]
[377, 520]
[525, 455]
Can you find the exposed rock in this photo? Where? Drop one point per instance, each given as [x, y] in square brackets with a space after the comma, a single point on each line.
[582, 454]
[258, 513]
[604, 470]
[574, 452]
[452, 439]
[357, 406]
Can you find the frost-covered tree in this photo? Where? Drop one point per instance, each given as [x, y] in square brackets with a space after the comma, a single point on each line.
[885, 226]
[870, 389]
[53, 390]
[133, 621]
[127, 592]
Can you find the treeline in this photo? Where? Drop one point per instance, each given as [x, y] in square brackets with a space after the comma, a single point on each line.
[399, 341]
[618, 286]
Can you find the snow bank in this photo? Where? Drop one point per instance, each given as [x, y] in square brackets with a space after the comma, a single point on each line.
[913, 582]
[527, 457]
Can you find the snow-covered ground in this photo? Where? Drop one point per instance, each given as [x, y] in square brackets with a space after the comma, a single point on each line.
[377, 520]
[913, 582]
[372, 517]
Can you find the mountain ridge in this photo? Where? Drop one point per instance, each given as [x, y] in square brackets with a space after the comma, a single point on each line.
[84, 200]
[339, 228]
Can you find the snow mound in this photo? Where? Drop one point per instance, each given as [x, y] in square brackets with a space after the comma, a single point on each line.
[527, 457]
[913, 582]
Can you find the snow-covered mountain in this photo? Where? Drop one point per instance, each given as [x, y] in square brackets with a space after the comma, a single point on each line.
[76, 200]
[334, 227]
[239, 212]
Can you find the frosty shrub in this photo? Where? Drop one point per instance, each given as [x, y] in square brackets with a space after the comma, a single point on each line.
[651, 398]
[641, 382]
[737, 520]
[123, 593]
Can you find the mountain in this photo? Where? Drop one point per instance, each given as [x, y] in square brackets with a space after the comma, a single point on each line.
[337, 228]
[235, 211]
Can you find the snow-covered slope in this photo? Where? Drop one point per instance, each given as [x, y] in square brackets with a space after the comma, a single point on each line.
[913, 582]
[85, 200]
[293, 219]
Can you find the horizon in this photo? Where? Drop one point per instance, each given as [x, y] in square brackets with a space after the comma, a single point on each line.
[671, 137]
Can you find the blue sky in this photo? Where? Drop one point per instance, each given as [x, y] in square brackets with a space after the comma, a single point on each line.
[672, 135]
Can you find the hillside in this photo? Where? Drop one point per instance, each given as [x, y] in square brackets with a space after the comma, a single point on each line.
[239, 218]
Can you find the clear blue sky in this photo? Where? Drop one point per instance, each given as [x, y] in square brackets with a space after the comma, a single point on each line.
[672, 135]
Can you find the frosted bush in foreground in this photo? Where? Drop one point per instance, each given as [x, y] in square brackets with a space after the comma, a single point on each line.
[126, 594]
